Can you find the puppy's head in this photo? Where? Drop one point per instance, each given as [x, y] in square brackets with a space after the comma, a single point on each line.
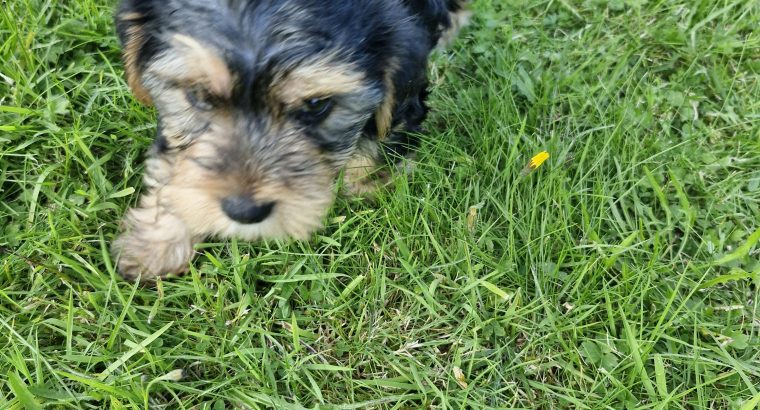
[260, 103]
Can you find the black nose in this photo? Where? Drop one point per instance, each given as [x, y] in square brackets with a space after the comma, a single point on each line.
[244, 210]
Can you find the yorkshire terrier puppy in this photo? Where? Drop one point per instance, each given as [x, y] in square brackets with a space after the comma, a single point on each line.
[261, 105]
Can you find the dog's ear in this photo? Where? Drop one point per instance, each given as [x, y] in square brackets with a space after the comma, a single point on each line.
[433, 14]
[136, 25]
[384, 113]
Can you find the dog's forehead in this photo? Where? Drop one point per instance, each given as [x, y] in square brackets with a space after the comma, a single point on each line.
[291, 47]
[250, 27]
[254, 37]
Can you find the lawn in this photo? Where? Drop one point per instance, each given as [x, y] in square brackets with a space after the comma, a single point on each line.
[622, 273]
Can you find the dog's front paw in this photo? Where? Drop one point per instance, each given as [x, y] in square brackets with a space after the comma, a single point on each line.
[153, 245]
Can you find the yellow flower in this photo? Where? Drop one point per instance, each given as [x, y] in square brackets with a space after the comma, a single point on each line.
[535, 162]
[538, 159]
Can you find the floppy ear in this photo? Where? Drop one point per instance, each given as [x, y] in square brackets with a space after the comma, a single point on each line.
[135, 22]
[384, 113]
[405, 83]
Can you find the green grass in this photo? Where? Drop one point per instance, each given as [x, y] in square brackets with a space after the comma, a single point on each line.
[623, 273]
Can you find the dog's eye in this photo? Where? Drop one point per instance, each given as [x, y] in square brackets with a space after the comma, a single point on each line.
[200, 99]
[315, 109]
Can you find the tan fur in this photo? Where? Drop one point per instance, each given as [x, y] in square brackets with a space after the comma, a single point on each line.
[189, 63]
[132, 45]
[200, 65]
[319, 78]
[384, 114]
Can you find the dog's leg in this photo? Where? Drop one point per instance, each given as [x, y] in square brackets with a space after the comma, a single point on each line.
[155, 242]
[361, 176]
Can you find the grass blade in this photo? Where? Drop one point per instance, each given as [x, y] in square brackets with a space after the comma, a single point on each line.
[136, 349]
[22, 393]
